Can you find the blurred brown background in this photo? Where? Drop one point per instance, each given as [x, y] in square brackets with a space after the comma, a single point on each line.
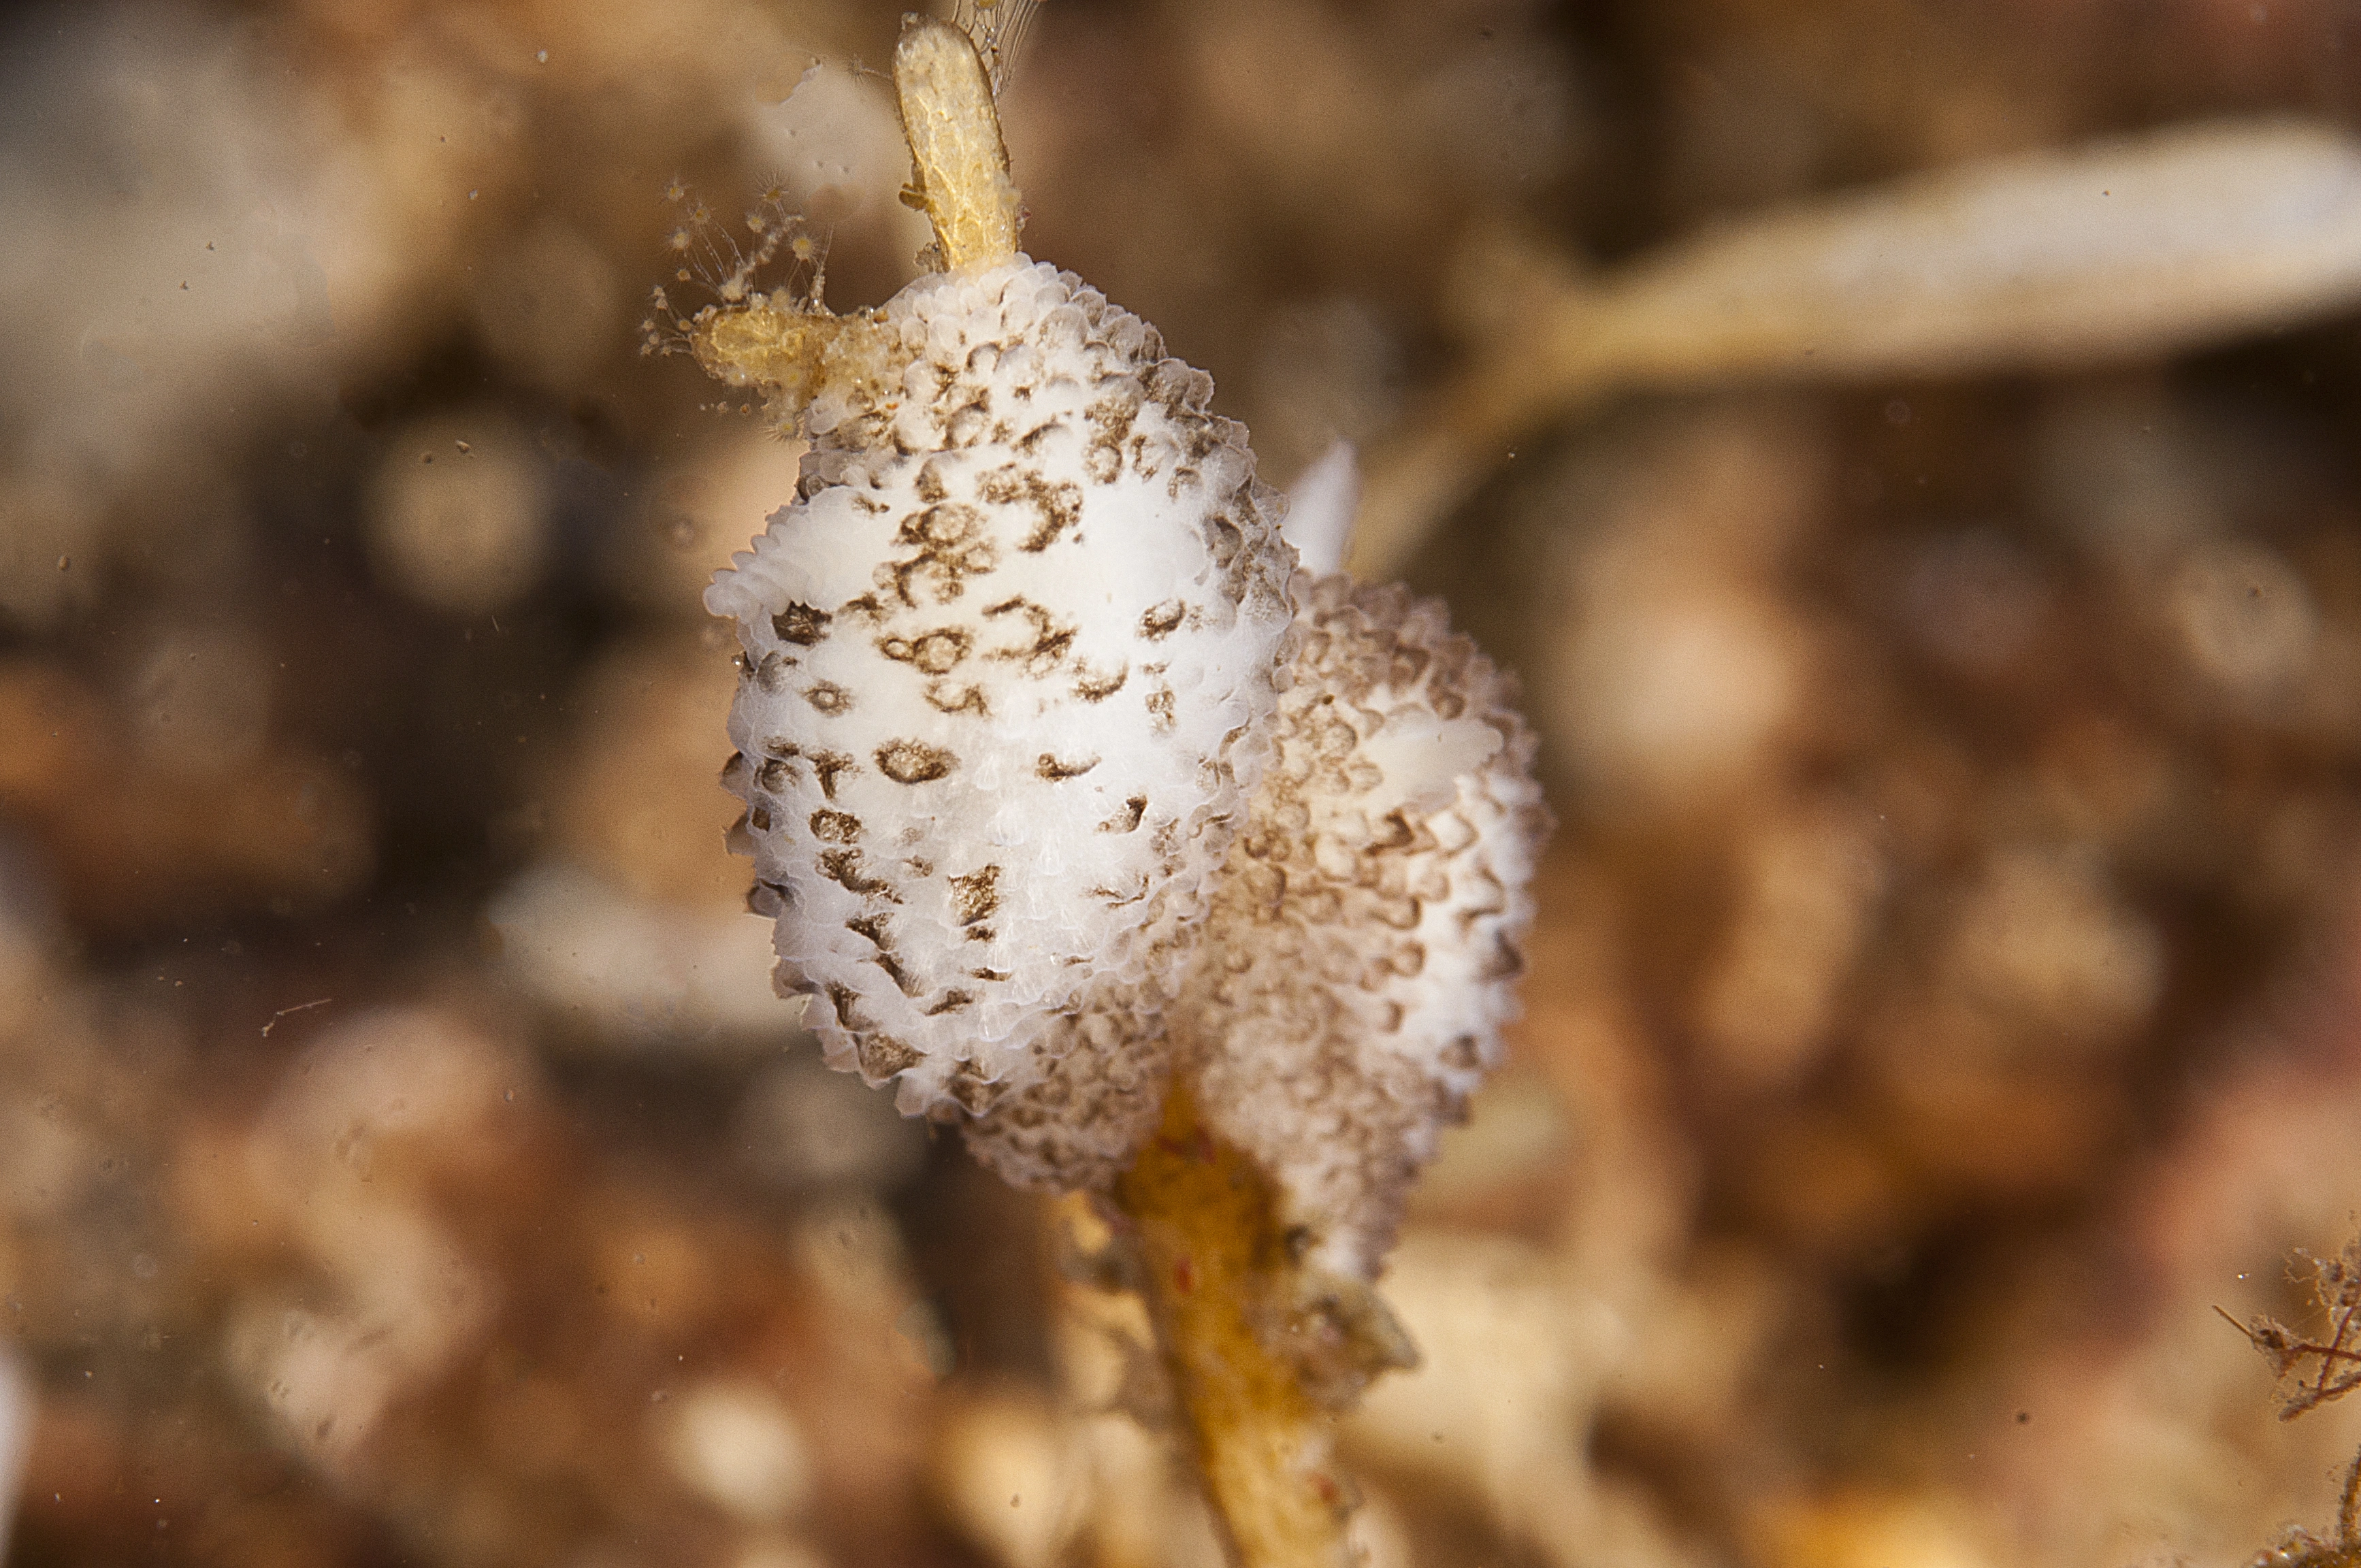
[1943, 995]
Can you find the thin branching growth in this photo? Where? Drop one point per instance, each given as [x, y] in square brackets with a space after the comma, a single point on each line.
[710, 256]
[2301, 1549]
[2323, 1367]
[999, 29]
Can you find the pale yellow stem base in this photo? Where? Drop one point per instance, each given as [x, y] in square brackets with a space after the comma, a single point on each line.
[958, 164]
[1218, 1290]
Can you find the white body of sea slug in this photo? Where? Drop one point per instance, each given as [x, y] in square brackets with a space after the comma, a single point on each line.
[1358, 956]
[1008, 662]
[1362, 948]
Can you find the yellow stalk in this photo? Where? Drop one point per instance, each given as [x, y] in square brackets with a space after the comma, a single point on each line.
[1218, 1289]
[958, 164]
[1261, 1351]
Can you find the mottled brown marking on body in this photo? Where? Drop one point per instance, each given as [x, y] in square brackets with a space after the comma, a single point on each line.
[882, 1056]
[1506, 960]
[1059, 505]
[835, 827]
[1111, 420]
[827, 699]
[1050, 640]
[970, 424]
[969, 1087]
[1094, 688]
[953, 544]
[1181, 388]
[913, 761]
[1054, 769]
[842, 867]
[827, 765]
[894, 972]
[801, 624]
[944, 697]
[1117, 899]
[1224, 539]
[977, 896]
[934, 652]
[1161, 621]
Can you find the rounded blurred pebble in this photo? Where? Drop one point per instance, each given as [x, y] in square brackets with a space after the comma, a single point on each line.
[459, 513]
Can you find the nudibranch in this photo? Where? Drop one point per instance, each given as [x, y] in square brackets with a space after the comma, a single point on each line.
[1065, 780]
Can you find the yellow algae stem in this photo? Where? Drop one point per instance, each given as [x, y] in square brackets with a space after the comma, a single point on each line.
[2134, 249]
[960, 166]
[1216, 1271]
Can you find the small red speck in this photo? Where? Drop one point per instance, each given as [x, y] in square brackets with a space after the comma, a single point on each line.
[1326, 1486]
[1184, 1276]
[1197, 1147]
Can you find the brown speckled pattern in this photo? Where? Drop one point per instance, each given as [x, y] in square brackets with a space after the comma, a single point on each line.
[1004, 666]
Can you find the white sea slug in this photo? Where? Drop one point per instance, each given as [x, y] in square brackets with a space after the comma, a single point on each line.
[1362, 947]
[1061, 781]
[1347, 991]
[1006, 661]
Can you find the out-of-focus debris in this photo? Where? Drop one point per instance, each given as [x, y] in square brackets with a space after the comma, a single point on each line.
[2132, 249]
[222, 822]
[806, 1127]
[459, 513]
[16, 1411]
[1510, 1366]
[634, 973]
